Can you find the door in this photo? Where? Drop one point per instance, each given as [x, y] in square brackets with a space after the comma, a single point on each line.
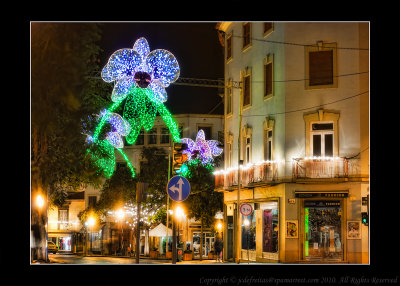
[323, 230]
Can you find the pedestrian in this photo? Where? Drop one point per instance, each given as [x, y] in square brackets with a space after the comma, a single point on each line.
[218, 245]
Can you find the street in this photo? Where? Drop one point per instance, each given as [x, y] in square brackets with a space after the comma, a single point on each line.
[76, 259]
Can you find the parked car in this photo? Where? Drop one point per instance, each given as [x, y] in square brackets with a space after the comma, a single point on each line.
[52, 247]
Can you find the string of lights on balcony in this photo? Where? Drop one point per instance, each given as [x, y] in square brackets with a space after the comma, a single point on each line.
[247, 166]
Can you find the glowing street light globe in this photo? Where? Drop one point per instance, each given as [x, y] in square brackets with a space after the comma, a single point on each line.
[39, 201]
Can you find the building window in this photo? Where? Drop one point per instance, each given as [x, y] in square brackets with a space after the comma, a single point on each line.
[270, 226]
[229, 100]
[92, 201]
[247, 159]
[140, 138]
[229, 155]
[322, 139]
[268, 28]
[207, 131]
[164, 135]
[229, 47]
[246, 35]
[63, 219]
[152, 136]
[246, 90]
[268, 76]
[321, 66]
[268, 145]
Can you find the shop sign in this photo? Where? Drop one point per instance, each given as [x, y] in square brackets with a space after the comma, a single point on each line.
[321, 195]
[321, 204]
[291, 201]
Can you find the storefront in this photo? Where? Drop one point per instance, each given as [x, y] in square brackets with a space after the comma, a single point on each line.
[322, 226]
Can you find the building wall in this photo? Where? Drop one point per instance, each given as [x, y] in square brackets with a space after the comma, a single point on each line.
[291, 108]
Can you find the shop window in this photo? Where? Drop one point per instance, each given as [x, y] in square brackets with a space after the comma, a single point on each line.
[249, 232]
[270, 226]
[322, 226]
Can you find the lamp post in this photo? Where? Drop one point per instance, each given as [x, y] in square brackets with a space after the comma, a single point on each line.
[219, 227]
[90, 223]
[120, 215]
[40, 204]
[247, 224]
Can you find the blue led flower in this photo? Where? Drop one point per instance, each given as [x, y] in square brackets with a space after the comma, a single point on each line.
[202, 148]
[138, 67]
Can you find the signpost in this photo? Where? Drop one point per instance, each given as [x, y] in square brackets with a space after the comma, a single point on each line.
[178, 189]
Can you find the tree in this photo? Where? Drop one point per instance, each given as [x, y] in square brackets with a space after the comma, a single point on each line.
[203, 202]
[62, 55]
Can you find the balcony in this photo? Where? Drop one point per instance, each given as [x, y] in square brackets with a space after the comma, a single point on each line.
[264, 172]
[325, 167]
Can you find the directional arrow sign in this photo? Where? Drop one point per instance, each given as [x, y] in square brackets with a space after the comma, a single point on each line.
[178, 188]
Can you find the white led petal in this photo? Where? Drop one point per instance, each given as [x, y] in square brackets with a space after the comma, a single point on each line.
[120, 125]
[215, 150]
[159, 91]
[200, 135]
[121, 63]
[164, 66]
[115, 139]
[142, 47]
[122, 88]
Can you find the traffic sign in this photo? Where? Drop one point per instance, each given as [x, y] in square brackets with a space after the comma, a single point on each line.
[246, 209]
[178, 188]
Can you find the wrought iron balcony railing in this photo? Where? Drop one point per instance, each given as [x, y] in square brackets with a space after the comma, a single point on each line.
[264, 172]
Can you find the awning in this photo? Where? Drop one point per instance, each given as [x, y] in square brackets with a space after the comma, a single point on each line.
[160, 231]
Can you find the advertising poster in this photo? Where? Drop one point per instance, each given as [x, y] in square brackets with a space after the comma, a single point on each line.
[267, 231]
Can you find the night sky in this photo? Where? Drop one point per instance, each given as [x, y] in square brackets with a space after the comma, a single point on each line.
[196, 48]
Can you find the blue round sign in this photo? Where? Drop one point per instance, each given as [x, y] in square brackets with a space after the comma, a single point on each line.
[178, 188]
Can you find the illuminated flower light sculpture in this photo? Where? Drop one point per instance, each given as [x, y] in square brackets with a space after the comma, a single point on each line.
[140, 78]
[202, 149]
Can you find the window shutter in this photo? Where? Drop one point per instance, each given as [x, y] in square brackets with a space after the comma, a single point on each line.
[321, 67]
[268, 79]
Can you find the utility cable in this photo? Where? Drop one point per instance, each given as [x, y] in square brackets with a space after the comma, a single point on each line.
[312, 107]
[297, 44]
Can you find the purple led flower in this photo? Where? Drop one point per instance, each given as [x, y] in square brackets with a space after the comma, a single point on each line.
[204, 149]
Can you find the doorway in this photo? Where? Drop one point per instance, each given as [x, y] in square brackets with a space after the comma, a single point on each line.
[208, 244]
[323, 230]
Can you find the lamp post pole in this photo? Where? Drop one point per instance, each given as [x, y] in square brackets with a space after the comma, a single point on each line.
[237, 252]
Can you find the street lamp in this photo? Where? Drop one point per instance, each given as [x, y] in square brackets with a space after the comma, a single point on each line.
[90, 224]
[40, 203]
[247, 224]
[120, 215]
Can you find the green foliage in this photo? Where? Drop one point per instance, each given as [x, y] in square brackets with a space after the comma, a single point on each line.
[155, 172]
[203, 202]
[120, 189]
[160, 216]
[62, 99]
